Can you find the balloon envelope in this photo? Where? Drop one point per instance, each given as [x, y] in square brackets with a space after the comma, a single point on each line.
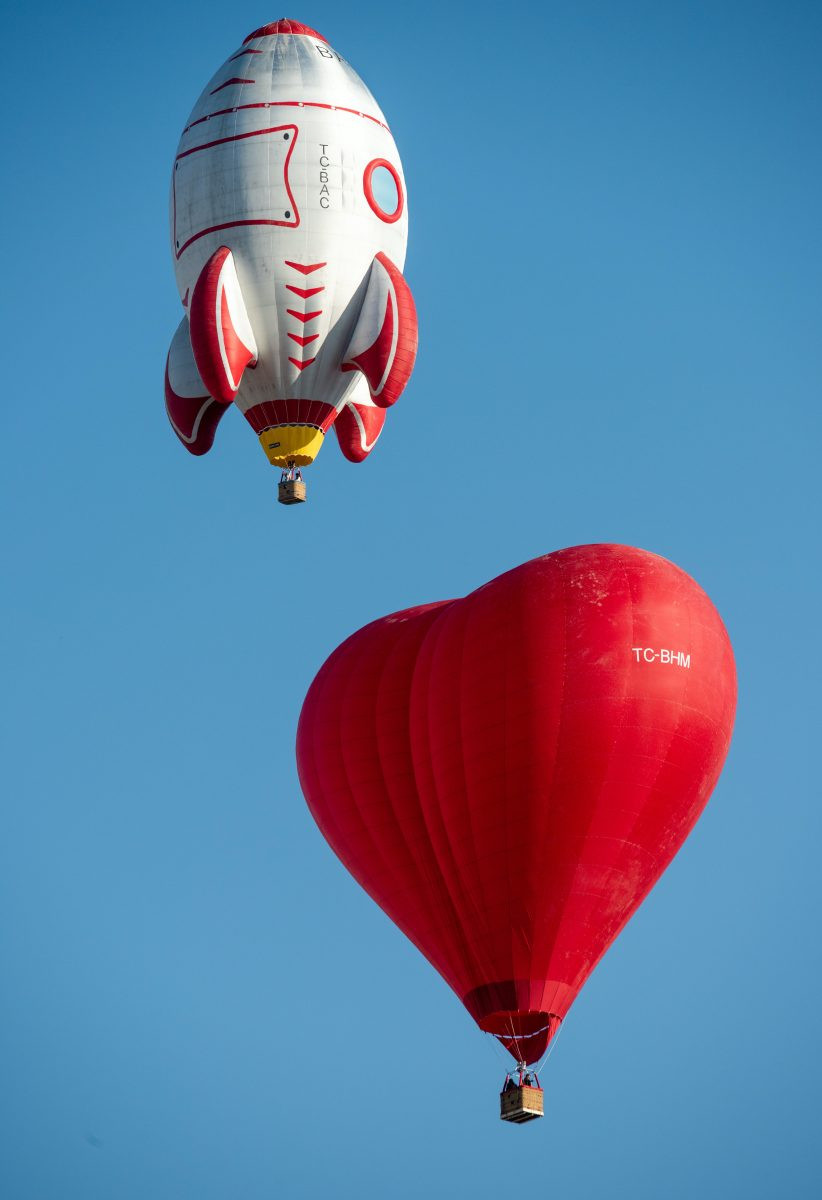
[508, 774]
[289, 224]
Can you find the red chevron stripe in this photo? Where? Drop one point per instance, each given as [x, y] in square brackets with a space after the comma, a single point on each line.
[301, 365]
[303, 268]
[303, 341]
[304, 316]
[304, 292]
[229, 82]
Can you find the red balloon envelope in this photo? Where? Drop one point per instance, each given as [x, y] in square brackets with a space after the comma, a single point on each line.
[509, 774]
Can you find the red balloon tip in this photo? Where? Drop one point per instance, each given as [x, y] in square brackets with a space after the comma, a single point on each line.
[284, 25]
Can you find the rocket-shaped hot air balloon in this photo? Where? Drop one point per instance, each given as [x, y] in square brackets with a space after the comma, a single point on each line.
[289, 223]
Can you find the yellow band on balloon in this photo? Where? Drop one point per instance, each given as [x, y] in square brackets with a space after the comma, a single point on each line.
[298, 444]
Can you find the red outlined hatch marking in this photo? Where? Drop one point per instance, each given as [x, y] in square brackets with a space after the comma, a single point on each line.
[291, 217]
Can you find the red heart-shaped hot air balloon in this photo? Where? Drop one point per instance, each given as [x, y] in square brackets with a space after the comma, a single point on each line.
[509, 774]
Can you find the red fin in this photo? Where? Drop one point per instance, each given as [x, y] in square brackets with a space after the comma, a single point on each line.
[384, 342]
[358, 425]
[193, 413]
[221, 336]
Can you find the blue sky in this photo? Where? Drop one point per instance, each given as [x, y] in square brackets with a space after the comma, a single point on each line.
[194, 991]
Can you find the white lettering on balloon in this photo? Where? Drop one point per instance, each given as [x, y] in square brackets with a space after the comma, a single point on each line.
[676, 658]
[325, 162]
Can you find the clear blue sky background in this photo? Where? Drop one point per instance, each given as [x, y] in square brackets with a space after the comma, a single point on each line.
[197, 1003]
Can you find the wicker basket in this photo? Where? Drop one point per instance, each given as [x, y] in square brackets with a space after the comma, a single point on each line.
[521, 1104]
[292, 491]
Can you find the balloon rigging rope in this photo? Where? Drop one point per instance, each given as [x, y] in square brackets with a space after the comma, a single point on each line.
[550, 1049]
[544, 1061]
[514, 1039]
[499, 1049]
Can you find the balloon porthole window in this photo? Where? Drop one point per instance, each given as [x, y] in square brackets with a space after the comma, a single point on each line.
[383, 190]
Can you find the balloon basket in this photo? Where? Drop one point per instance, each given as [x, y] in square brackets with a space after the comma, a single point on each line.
[521, 1104]
[291, 491]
